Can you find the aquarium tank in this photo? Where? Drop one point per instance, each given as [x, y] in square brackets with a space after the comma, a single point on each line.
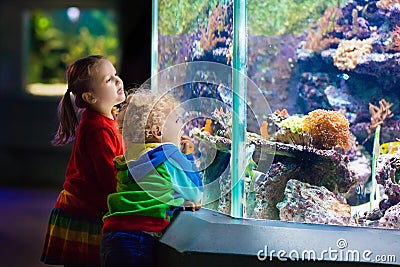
[54, 37]
[316, 118]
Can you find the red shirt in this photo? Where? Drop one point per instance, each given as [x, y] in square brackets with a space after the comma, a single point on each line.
[90, 175]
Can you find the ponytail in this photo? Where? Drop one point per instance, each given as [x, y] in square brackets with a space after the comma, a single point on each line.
[68, 121]
[79, 75]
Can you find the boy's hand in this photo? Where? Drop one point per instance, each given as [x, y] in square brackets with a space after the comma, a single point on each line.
[187, 146]
[193, 205]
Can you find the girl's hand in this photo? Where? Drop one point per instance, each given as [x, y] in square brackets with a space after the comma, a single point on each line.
[193, 205]
[187, 146]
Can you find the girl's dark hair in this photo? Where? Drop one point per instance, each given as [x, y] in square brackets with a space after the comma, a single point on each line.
[79, 75]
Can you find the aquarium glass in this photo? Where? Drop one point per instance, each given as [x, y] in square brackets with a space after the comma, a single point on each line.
[56, 37]
[321, 124]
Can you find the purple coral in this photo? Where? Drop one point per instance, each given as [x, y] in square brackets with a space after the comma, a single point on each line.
[312, 204]
[391, 219]
[387, 166]
[363, 31]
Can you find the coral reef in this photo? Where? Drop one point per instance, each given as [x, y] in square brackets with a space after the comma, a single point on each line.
[350, 52]
[223, 125]
[390, 131]
[290, 131]
[322, 129]
[321, 39]
[386, 4]
[391, 219]
[360, 169]
[395, 45]
[214, 41]
[370, 64]
[328, 168]
[225, 185]
[312, 204]
[270, 190]
[388, 175]
[378, 115]
[319, 91]
[264, 129]
[328, 129]
[367, 50]
[310, 69]
[207, 127]
[320, 167]
[294, 124]
[311, 91]
[212, 34]
[381, 65]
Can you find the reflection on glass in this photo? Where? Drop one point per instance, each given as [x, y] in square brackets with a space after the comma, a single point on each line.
[329, 71]
[56, 37]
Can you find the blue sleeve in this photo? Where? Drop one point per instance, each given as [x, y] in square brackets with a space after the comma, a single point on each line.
[185, 177]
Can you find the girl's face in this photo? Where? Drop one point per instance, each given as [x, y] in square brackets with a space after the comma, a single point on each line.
[107, 87]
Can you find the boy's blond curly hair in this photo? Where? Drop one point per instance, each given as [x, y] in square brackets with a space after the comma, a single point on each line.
[143, 109]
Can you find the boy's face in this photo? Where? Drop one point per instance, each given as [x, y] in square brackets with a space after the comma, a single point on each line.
[172, 128]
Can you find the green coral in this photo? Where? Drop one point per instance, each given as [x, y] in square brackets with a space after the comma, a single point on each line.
[291, 131]
[292, 123]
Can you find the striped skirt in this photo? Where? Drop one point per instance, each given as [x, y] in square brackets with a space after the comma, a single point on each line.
[72, 240]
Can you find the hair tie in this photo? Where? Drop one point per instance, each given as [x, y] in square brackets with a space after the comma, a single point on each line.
[69, 90]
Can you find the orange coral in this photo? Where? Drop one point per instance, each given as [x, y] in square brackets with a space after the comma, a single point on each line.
[211, 35]
[396, 39]
[282, 112]
[264, 129]
[320, 39]
[378, 115]
[328, 129]
[386, 4]
[207, 127]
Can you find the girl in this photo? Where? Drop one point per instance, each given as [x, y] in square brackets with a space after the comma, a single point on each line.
[155, 177]
[74, 230]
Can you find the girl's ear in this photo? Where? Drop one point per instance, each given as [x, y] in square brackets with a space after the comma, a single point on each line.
[89, 98]
[156, 132]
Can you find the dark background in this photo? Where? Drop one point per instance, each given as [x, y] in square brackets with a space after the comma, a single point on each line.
[29, 122]
[31, 169]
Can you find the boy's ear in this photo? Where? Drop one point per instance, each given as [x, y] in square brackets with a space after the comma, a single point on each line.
[156, 132]
[89, 98]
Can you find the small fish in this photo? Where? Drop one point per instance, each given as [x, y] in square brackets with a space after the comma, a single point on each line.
[343, 76]
[356, 217]
[389, 148]
[360, 191]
